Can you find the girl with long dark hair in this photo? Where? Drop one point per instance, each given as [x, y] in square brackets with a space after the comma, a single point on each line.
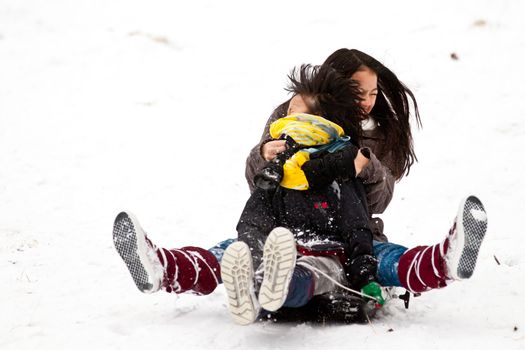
[386, 130]
[386, 154]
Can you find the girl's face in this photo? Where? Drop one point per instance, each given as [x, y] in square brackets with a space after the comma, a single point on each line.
[367, 80]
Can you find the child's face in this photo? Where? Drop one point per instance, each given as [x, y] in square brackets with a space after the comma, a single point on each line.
[297, 105]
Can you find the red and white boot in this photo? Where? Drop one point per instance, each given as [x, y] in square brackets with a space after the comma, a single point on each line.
[187, 269]
[428, 267]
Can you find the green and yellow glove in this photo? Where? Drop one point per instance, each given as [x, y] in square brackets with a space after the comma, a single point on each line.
[374, 290]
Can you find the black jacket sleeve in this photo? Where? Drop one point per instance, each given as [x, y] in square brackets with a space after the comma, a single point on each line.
[323, 168]
[361, 265]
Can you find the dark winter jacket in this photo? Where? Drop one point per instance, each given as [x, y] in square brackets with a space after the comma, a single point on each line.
[320, 215]
[376, 176]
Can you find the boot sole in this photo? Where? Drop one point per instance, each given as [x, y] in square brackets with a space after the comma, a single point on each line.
[471, 226]
[238, 279]
[279, 258]
[130, 242]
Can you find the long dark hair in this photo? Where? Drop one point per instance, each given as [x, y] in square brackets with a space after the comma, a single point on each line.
[330, 96]
[391, 110]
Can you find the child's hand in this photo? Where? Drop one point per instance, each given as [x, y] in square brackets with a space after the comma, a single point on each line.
[374, 290]
[272, 148]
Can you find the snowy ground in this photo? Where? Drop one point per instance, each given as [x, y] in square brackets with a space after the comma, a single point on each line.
[152, 106]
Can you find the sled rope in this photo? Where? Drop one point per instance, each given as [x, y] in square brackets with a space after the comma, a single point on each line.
[344, 287]
[308, 266]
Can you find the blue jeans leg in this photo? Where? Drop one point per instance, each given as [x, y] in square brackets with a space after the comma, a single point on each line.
[301, 288]
[218, 249]
[388, 255]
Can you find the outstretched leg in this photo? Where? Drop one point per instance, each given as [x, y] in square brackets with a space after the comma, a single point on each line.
[152, 268]
[427, 267]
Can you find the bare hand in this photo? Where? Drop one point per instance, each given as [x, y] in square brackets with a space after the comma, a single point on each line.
[272, 148]
[360, 162]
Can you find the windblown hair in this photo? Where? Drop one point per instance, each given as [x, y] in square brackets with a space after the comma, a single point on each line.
[391, 110]
[329, 95]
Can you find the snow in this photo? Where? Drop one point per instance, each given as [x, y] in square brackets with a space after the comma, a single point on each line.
[479, 215]
[152, 106]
